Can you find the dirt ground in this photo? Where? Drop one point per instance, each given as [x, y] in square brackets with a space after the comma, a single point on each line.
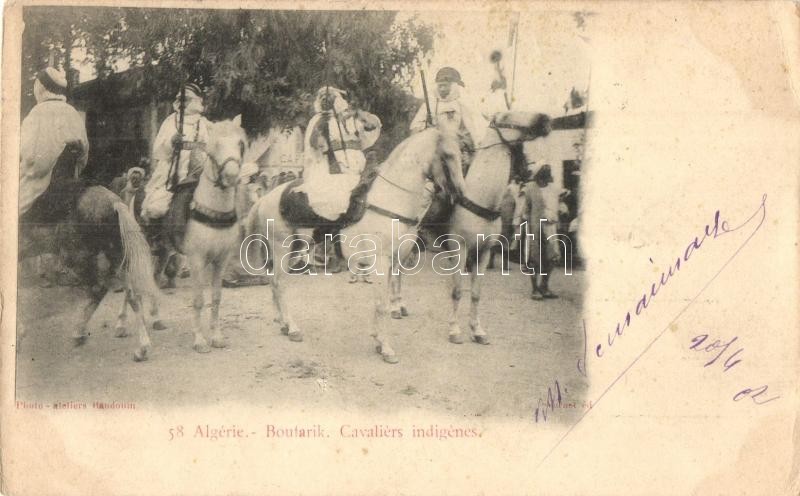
[533, 344]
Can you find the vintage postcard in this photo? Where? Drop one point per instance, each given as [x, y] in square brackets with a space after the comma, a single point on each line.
[384, 248]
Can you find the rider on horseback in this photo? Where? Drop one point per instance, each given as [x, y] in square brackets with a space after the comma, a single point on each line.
[178, 152]
[178, 158]
[448, 110]
[52, 128]
[335, 141]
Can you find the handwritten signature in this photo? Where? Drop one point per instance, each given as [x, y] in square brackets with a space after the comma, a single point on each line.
[718, 228]
[712, 231]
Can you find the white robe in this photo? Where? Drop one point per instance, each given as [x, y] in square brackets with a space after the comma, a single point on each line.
[329, 194]
[157, 198]
[45, 131]
[450, 112]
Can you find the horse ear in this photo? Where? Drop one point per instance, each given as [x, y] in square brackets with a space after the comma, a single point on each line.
[238, 120]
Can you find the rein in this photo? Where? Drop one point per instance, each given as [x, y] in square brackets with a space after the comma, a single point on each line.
[218, 168]
[516, 170]
[397, 185]
[388, 213]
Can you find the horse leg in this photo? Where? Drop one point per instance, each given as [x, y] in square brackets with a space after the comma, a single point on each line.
[97, 291]
[96, 294]
[288, 327]
[395, 299]
[171, 268]
[158, 324]
[478, 334]
[403, 309]
[140, 354]
[120, 331]
[198, 278]
[399, 309]
[383, 296]
[454, 335]
[217, 339]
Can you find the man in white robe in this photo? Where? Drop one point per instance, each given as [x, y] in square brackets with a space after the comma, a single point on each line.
[49, 127]
[335, 140]
[448, 111]
[191, 141]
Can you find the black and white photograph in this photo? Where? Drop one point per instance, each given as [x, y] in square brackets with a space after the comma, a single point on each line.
[399, 248]
[274, 206]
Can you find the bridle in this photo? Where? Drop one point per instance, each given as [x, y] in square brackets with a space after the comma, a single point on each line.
[388, 213]
[218, 168]
[519, 165]
[405, 220]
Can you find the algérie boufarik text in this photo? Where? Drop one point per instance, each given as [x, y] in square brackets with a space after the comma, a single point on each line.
[295, 431]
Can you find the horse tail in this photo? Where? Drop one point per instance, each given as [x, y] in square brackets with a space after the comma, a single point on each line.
[136, 253]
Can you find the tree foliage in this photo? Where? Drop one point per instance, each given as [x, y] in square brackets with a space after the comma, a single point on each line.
[263, 64]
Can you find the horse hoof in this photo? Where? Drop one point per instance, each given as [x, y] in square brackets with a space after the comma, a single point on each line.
[285, 330]
[79, 340]
[404, 311]
[121, 332]
[297, 337]
[219, 343]
[390, 358]
[202, 348]
[159, 325]
[397, 314]
[480, 339]
[140, 355]
[456, 338]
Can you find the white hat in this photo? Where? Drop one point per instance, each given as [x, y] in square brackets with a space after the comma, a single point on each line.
[135, 169]
[53, 80]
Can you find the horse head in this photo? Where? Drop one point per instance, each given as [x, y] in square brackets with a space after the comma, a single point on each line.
[513, 129]
[225, 149]
[446, 168]
[520, 126]
[430, 154]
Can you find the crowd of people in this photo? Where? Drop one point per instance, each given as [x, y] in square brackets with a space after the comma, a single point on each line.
[337, 140]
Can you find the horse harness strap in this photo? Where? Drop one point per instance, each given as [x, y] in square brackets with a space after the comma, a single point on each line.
[518, 164]
[347, 144]
[218, 169]
[386, 213]
[478, 210]
[402, 188]
[212, 218]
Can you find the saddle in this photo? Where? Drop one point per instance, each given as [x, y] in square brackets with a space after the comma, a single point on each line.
[295, 208]
[177, 217]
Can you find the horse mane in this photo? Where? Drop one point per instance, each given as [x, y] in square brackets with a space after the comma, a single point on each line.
[411, 149]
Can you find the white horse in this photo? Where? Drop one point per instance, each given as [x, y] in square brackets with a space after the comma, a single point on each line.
[396, 193]
[212, 232]
[475, 220]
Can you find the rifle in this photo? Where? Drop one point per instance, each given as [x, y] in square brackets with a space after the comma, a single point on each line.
[332, 163]
[339, 127]
[172, 177]
[429, 118]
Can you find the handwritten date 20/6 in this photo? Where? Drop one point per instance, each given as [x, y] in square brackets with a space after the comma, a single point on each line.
[732, 358]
